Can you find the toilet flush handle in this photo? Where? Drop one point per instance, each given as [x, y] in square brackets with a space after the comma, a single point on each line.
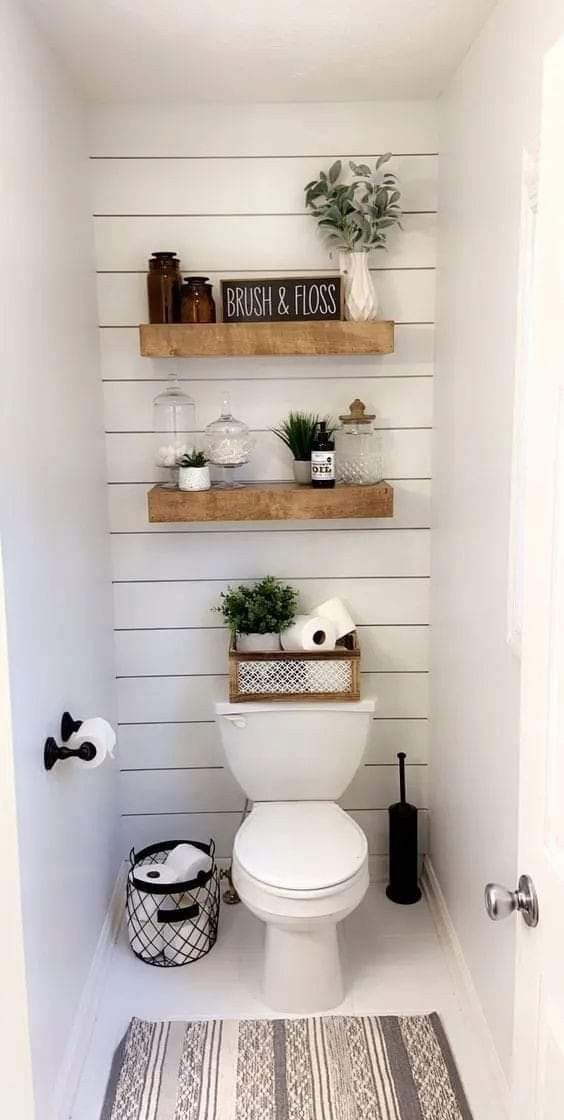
[237, 721]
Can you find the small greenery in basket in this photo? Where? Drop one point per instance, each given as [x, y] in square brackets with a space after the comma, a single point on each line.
[297, 431]
[193, 459]
[267, 607]
[356, 216]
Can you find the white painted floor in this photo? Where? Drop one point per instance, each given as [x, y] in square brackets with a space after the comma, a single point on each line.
[394, 965]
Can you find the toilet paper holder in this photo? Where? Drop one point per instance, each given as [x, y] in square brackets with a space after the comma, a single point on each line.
[69, 726]
[52, 753]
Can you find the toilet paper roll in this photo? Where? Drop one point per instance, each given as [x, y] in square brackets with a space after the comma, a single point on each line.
[144, 929]
[310, 633]
[145, 936]
[99, 732]
[178, 937]
[336, 610]
[156, 873]
[186, 861]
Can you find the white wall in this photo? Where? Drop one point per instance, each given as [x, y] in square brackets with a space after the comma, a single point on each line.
[488, 115]
[224, 187]
[53, 526]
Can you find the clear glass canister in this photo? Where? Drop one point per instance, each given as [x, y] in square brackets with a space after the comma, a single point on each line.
[228, 443]
[174, 419]
[358, 448]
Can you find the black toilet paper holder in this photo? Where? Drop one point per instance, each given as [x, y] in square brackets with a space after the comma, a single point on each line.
[52, 753]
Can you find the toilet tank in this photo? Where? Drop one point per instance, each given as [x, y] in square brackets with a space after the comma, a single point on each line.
[294, 752]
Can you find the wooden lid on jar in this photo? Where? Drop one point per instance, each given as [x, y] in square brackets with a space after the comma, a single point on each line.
[357, 414]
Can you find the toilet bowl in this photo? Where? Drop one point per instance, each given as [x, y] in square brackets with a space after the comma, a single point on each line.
[300, 862]
[301, 868]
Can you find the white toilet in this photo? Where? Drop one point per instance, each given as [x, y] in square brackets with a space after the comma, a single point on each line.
[300, 863]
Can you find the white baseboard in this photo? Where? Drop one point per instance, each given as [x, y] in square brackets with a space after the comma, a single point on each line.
[85, 1018]
[464, 983]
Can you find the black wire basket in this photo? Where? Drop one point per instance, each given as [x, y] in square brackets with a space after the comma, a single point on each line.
[167, 927]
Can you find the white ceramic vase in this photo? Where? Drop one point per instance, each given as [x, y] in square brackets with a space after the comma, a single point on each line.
[302, 471]
[194, 478]
[361, 301]
[256, 643]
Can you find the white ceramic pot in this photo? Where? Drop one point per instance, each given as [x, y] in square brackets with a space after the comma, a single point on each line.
[194, 478]
[361, 301]
[256, 643]
[302, 471]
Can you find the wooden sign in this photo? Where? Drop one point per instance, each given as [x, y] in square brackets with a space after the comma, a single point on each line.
[289, 299]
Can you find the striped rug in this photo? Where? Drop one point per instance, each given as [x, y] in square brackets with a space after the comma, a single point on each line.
[342, 1068]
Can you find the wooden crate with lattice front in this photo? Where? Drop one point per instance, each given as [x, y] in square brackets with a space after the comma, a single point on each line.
[296, 676]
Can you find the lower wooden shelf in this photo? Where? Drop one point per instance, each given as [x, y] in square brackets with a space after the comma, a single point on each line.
[270, 501]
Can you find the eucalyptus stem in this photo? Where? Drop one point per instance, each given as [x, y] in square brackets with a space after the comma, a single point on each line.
[356, 215]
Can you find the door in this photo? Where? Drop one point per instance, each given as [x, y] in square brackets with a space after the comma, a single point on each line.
[15, 1058]
[538, 1068]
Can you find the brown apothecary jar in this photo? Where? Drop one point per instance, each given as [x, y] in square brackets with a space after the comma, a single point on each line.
[164, 281]
[197, 302]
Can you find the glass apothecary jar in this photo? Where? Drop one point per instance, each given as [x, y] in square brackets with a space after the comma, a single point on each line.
[228, 444]
[358, 448]
[174, 419]
[197, 304]
[164, 281]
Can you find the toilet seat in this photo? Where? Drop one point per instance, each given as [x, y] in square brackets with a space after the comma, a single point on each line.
[300, 849]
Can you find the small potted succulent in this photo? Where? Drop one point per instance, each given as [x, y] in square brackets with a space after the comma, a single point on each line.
[355, 210]
[257, 614]
[193, 471]
[297, 431]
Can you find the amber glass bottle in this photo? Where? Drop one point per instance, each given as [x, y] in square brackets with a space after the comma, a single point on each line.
[197, 302]
[164, 281]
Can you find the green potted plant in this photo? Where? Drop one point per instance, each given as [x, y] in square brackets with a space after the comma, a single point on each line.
[257, 614]
[297, 431]
[355, 216]
[193, 471]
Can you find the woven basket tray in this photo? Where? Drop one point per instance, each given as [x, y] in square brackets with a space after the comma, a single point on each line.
[296, 676]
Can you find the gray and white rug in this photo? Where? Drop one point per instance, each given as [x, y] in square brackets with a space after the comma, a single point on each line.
[333, 1068]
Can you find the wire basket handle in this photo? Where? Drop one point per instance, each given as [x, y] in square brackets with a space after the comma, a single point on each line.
[182, 914]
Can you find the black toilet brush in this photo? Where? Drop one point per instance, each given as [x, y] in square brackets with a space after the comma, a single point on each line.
[403, 887]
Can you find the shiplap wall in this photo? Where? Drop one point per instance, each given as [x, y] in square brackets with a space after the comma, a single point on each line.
[224, 187]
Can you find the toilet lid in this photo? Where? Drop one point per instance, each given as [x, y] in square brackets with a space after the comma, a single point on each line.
[300, 845]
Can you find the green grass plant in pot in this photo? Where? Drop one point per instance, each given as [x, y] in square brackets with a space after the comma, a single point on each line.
[297, 431]
[355, 209]
[256, 614]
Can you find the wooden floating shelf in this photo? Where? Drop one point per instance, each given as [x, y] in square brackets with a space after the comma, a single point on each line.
[270, 501]
[231, 340]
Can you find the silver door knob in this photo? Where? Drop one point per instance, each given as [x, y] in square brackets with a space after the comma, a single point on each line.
[500, 902]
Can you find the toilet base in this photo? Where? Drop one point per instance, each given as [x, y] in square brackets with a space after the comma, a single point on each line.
[302, 969]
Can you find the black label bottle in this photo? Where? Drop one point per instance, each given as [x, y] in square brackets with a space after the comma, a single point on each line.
[323, 458]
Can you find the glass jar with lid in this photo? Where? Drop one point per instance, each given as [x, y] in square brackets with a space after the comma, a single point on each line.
[228, 444]
[197, 304]
[164, 281]
[174, 419]
[358, 447]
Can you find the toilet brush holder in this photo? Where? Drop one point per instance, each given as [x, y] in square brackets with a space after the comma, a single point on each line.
[403, 886]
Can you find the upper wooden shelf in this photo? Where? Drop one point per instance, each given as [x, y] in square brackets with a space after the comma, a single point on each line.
[214, 340]
[270, 501]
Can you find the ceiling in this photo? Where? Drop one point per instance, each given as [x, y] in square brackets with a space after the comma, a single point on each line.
[262, 50]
